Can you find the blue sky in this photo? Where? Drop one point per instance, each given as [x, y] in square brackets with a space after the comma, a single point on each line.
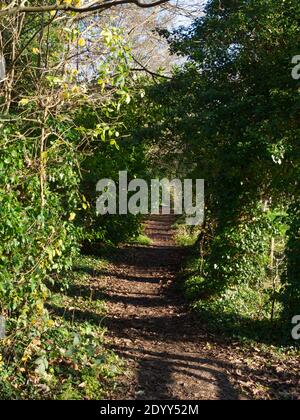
[196, 6]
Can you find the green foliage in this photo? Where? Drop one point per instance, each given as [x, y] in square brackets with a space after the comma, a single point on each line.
[111, 229]
[291, 297]
[142, 240]
[244, 312]
[33, 242]
[230, 115]
[63, 362]
[193, 287]
[186, 236]
[61, 357]
[233, 110]
[56, 143]
[239, 254]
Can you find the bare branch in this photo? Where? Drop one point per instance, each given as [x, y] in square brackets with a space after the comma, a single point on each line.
[146, 70]
[92, 7]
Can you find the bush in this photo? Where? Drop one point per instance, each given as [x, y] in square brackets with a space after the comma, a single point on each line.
[291, 288]
[36, 239]
[239, 254]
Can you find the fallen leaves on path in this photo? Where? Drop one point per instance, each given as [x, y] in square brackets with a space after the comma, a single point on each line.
[169, 355]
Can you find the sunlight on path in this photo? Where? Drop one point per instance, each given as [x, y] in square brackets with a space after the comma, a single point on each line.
[150, 327]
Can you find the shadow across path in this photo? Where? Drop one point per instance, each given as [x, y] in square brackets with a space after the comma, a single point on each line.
[169, 353]
[152, 329]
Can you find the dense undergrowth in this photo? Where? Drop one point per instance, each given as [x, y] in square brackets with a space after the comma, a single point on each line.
[247, 312]
[66, 356]
[60, 134]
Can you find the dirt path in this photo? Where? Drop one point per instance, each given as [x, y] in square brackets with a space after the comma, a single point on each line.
[167, 355]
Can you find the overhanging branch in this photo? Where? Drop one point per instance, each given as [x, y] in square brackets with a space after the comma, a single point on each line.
[146, 70]
[92, 7]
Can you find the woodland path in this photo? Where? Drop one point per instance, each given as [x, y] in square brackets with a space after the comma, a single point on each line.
[168, 356]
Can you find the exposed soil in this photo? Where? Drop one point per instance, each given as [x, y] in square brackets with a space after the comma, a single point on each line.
[168, 350]
[168, 355]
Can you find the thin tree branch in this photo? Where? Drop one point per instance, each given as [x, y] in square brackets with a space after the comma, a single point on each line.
[152, 73]
[92, 7]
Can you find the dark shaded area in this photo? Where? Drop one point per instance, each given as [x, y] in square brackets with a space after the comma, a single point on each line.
[159, 385]
[73, 290]
[76, 315]
[235, 326]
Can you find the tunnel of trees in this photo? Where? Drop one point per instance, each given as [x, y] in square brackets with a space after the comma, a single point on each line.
[209, 91]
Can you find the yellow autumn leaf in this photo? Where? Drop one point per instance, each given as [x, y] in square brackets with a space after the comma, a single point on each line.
[75, 89]
[24, 102]
[81, 42]
[72, 217]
